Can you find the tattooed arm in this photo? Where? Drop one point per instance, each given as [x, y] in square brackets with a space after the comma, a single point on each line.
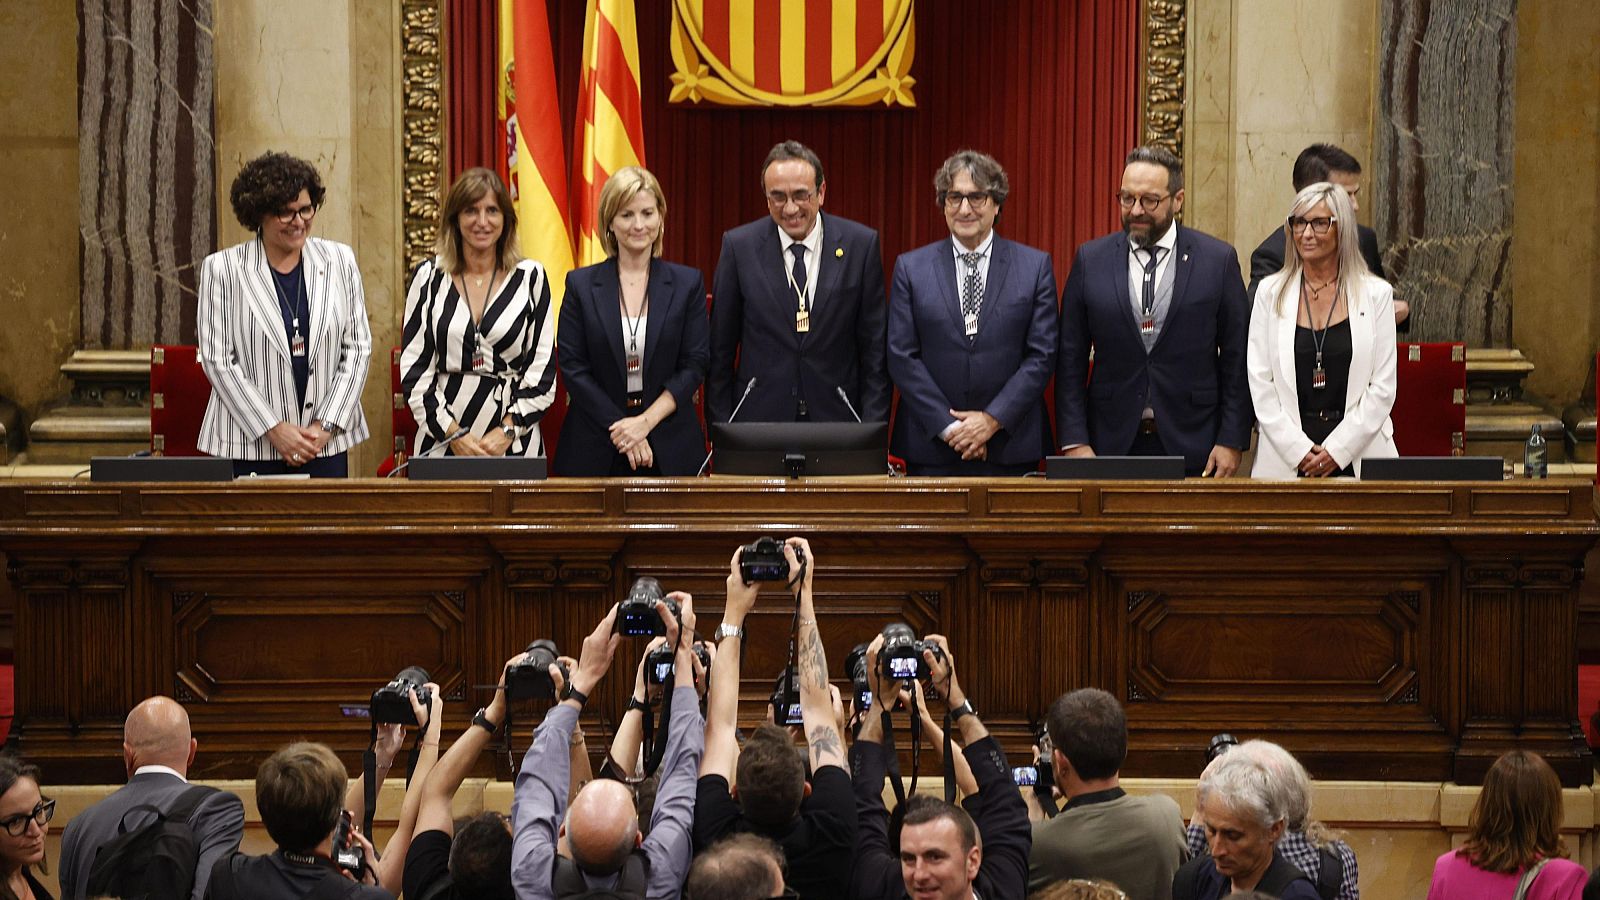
[816, 704]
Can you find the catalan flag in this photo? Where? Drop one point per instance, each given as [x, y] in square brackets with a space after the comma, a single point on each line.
[535, 159]
[610, 131]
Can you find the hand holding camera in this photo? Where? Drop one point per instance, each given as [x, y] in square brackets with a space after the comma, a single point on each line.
[941, 669]
[533, 675]
[594, 660]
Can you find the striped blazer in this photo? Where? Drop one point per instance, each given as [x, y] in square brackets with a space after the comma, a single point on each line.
[245, 353]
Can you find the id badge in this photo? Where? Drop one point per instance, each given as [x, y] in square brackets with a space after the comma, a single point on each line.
[802, 321]
[480, 360]
[633, 363]
[971, 322]
[297, 344]
[1147, 326]
[1319, 379]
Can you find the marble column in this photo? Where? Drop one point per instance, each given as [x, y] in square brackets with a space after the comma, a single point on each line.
[1442, 167]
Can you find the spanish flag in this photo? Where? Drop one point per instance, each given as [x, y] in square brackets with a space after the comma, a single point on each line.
[611, 133]
[530, 114]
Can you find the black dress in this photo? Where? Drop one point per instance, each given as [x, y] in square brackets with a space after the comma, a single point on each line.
[1322, 409]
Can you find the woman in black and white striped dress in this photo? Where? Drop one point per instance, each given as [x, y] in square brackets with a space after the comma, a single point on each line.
[479, 337]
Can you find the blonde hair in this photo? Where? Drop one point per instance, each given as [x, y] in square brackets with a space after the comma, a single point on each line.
[1079, 889]
[1352, 265]
[469, 188]
[619, 190]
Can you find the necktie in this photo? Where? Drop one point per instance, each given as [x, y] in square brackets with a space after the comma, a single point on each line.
[972, 290]
[799, 271]
[1147, 299]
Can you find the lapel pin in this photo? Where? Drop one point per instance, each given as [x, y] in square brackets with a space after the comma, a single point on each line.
[1186, 257]
[838, 252]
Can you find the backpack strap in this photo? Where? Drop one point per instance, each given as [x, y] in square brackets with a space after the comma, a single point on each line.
[222, 886]
[1330, 873]
[1526, 882]
[635, 879]
[188, 802]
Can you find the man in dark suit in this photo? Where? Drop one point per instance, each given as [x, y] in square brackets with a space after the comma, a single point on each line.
[158, 750]
[972, 336]
[798, 300]
[1164, 308]
[1325, 162]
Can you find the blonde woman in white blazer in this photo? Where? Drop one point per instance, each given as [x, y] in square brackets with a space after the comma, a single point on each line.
[1321, 358]
[284, 337]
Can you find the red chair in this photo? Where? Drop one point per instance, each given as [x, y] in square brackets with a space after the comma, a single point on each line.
[402, 425]
[179, 394]
[1430, 403]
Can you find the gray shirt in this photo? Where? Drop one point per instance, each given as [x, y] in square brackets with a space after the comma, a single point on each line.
[1136, 843]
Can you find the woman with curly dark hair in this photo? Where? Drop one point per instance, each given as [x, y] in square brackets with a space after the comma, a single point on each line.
[283, 328]
[24, 815]
[1514, 846]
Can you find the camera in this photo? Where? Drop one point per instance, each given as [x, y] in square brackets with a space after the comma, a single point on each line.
[637, 615]
[1026, 776]
[529, 677]
[1219, 745]
[764, 561]
[658, 663]
[786, 701]
[855, 666]
[346, 849]
[390, 704]
[901, 656]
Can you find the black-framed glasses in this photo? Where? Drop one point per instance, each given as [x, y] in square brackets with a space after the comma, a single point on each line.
[1146, 202]
[17, 825]
[978, 200]
[1319, 226]
[305, 214]
[798, 198]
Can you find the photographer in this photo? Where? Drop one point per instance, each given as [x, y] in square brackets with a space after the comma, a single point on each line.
[813, 823]
[625, 762]
[477, 861]
[299, 791]
[601, 830]
[391, 738]
[938, 848]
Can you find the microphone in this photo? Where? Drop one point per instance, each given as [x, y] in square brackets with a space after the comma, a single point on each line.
[435, 450]
[749, 386]
[839, 389]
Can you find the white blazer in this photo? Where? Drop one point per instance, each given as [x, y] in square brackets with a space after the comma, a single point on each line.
[245, 353]
[1365, 432]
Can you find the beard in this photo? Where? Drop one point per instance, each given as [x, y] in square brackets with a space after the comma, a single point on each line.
[1145, 230]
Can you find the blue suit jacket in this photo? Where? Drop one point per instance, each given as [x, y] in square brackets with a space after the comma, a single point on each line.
[752, 316]
[1002, 372]
[1194, 378]
[592, 361]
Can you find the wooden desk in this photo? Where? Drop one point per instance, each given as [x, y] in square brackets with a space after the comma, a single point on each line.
[1380, 631]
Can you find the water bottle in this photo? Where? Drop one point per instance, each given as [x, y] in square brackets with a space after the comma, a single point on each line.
[1534, 456]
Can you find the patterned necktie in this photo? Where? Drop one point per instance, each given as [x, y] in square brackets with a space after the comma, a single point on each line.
[972, 286]
[799, 271]
[1148, 300]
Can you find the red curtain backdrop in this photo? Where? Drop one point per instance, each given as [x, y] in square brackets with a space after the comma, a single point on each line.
[1047, 88]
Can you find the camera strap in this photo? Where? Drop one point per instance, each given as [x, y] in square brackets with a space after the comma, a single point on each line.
[894, 758]
[658, 746]
[949, 763]
[916, 739]
[369, 778]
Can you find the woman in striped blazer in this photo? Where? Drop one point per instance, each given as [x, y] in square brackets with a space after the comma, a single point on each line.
[283, 329]
[476, 365]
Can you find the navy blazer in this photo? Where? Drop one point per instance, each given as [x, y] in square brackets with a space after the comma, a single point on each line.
[752, 318]
[591, 356]
[1194, 378]
[1003, 371]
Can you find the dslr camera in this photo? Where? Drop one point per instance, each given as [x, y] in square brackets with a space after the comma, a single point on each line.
[637, 615]
[764, 561]
[391, 706]
[1220, 744]
[658, 663]
[855, 666]
[786, 701]
[901, 656]
[529, 677]
[347, 851]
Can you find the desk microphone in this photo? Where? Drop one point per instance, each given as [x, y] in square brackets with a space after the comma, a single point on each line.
[837, 389]
[435, 450]
[749, 386]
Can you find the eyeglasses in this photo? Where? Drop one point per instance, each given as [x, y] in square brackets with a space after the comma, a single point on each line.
[17, 825]
[304, 214]
[978, 200]
[798, 198]
[1319, 226]
[1148, 202]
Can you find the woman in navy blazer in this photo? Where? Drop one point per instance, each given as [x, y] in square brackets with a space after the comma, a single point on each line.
[633, 345]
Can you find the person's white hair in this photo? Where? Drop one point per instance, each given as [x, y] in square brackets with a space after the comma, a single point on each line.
[1352, 265]
[1285, 776]
[1245, 787]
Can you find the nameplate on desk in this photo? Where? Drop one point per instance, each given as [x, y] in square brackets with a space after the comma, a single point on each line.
[160, 468]
[1114, 468]
[479, 468]
[1433, 468]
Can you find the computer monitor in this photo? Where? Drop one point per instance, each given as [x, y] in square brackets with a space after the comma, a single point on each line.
[797, 449]
[160, 468]
[1434, 468]
[1114, 468]
[479, 468]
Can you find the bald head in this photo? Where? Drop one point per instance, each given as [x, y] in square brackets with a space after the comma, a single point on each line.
[157, 734]
[602, 827]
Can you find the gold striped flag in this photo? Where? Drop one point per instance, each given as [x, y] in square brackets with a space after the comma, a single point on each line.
[793, 52]
[535, 158]
[610, 128]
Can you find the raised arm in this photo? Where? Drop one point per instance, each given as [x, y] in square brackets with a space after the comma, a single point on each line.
[722, 704]
[439, 788]
[391, 868]
[823, 740]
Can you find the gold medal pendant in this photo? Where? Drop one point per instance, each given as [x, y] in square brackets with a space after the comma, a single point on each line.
[802, 321]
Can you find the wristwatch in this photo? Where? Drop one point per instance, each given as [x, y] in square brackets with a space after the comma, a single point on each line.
[957, 712]
[572, 693]
[481, 719]
[727, 631]
[509, 431]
